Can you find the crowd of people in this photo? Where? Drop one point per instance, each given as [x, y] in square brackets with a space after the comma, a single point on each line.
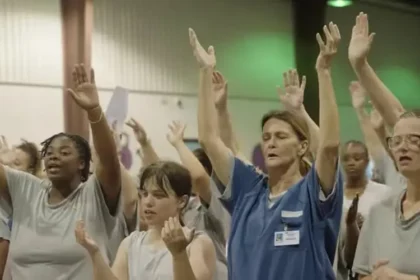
[71, 210]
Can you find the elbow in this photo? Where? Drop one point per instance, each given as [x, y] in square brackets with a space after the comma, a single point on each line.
[329, 149]
[206, 141]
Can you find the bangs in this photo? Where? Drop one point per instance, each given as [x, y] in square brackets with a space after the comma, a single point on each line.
[154, 175]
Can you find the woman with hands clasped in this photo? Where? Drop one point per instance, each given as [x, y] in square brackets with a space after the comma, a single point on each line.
[167, 250]
[284, 225]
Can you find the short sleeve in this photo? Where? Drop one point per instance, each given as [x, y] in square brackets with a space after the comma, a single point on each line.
[94, 187]
[243, 179]
[325, 207]
[218, 211]
[4, 230]
[361, 263]
[21, 185]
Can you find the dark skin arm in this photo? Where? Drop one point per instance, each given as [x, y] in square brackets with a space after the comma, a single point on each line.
[108, 167]
[352, 232]
[4, 251]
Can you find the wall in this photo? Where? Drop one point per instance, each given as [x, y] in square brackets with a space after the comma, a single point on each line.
[143, 45]
[394, 56]
[30, 69]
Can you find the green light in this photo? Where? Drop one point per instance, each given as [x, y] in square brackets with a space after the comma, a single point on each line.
[339, 3]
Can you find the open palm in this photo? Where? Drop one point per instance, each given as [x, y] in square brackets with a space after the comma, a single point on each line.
[292, 95]
[329, 48]
[361, 40]
[220, 90]
[176, 133]
[138, 129]
[84, 239]
[85, 93]
[205, 59]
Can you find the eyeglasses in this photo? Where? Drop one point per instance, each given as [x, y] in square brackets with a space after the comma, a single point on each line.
[412, 141]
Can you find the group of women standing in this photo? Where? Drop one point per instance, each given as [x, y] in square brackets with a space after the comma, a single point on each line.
[284, 224]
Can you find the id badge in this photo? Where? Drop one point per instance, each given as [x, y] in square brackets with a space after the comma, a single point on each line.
[286, 238]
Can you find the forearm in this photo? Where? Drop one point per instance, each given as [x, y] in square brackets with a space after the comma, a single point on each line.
[207, 115]
[382, 98]
[372, 140]
[101, 270]
[226, 130]
[313, 131]
[182, 267]
[329, 133]
[149, 154]
[103, 140]
[200, 178]
[129, 196]
[352, 236]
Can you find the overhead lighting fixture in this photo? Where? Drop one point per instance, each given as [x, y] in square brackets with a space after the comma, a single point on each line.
[339, 3]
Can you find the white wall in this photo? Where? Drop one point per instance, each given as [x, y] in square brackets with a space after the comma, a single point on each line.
[155, 112]
[143, 45]
[30, 69]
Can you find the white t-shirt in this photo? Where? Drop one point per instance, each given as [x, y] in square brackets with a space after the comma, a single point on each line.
[373, 194]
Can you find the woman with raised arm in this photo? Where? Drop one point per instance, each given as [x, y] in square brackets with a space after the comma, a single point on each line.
[167, 250]
[205, 211]
[45, 211]
[284, 225]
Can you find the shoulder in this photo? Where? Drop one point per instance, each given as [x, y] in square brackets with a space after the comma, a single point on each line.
[387, 204]
[200, 241]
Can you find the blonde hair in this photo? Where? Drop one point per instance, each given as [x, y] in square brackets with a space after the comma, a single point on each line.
[301, 129]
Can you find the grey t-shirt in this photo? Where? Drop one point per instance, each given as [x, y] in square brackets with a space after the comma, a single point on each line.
[42, 244]
[386, 235]
[212, 220]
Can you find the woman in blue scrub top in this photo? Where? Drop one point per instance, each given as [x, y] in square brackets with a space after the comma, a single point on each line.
[284, 225]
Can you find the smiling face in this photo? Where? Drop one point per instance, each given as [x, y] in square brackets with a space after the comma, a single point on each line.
[405, 146]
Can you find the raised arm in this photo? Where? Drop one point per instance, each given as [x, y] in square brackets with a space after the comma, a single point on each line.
[329, 136]
[208, 133]
[6, 158]
[292, 99]
[382, 98]
[149, 154]
[220, 90]
[200, 178]
[373, 143]
[107, 168]
[128, 188]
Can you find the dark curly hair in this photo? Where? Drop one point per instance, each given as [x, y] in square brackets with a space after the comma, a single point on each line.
[82, 146]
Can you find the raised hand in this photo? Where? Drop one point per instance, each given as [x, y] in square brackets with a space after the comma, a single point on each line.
[292, 95]
[7, 155]
[205, 59]
[139, 131]
[376, 119]
[358, 95]
[352, 213]
[360, 41]
[327, 50]
[116, 136]
[174, 237]
[220, 90]
[176, 134]
[84, 239]
[85, 93]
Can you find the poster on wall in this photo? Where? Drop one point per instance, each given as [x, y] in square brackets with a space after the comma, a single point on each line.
[192, 143]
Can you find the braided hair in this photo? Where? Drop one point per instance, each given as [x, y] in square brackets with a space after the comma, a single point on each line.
[82, 146]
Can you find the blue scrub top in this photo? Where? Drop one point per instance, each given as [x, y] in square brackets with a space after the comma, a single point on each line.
[257, 249]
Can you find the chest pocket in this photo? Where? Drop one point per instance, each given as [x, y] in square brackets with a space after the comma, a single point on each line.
[293, 224]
